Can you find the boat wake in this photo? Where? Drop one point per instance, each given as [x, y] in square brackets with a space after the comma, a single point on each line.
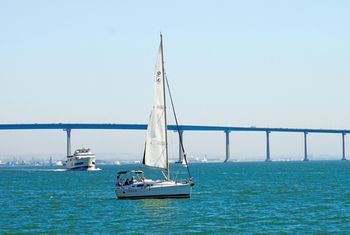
[58, 170]
[96, 169]
[41, 169]
[61, 170]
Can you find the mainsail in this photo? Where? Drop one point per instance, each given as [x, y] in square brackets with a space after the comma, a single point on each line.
[156, 150]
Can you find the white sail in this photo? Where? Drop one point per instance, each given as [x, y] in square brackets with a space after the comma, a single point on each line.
[156, 141]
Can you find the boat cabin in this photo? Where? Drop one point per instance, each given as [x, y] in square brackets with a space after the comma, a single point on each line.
[129, 177]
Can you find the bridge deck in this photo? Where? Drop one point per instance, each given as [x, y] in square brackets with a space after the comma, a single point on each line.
[111, 126]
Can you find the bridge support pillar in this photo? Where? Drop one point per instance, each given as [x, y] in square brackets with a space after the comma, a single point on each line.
[68, 142]
[227, 146]
[181, 152]
[343, 143]
[305, 147]
[268, 159]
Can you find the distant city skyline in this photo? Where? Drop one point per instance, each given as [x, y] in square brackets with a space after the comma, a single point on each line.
[229, 63]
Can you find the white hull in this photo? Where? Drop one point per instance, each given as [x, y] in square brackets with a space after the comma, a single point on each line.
[154, 189]
[81, 163]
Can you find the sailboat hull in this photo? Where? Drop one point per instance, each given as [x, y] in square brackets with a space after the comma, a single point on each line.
[154, 189]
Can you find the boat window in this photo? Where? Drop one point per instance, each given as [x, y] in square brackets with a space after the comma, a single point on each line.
[139, 185]
[78, 163]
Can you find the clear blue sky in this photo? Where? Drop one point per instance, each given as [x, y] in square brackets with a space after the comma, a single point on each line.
[240, 63]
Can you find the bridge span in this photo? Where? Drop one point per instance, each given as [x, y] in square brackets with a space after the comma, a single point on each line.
[68, 127]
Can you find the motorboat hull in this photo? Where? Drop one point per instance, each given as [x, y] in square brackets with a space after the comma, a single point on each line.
[155, 190]
[81, 163]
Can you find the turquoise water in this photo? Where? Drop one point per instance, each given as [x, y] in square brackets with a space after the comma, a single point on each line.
[272, 197]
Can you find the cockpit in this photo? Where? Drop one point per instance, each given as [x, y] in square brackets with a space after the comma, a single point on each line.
[129, 177]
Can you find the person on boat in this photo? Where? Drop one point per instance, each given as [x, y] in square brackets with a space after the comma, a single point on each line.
[118, 181]
[127, 182]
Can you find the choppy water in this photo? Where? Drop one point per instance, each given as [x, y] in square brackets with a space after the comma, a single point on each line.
[290, 197]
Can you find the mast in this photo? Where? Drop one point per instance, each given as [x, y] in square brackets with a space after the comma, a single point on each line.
[165, 116]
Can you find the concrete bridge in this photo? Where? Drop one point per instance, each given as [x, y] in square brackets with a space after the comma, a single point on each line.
[68, 127]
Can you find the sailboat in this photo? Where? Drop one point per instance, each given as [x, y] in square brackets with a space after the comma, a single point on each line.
[133, 184]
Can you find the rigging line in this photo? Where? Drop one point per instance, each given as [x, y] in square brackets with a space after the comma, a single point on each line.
[177, 125]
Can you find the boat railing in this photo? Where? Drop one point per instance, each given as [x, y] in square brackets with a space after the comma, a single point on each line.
[182, 181]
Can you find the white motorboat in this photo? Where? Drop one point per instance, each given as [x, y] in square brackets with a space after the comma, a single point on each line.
[82, 159]
[132, 184]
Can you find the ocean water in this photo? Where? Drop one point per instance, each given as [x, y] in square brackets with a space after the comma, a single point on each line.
[259, 197]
